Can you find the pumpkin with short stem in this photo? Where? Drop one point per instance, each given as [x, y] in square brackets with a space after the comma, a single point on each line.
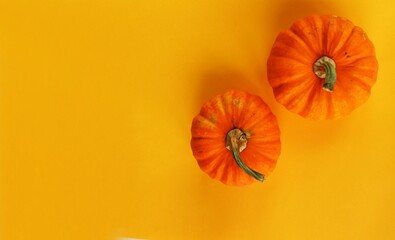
[322, 67]
[236, 138]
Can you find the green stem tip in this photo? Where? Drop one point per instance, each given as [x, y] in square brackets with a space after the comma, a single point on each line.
[236, 141]
[325, 67]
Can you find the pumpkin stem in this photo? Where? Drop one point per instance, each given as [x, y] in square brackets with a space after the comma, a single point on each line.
[325, 67]
[236, 141]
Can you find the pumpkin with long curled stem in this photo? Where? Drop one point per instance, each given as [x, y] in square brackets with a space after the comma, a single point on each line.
[236, 138]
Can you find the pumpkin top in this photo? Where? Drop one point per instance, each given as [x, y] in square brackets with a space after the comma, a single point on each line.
[236, 138]
[322, 67]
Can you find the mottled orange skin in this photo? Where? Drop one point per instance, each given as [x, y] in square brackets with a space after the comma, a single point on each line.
[235, 109]
[290, 67]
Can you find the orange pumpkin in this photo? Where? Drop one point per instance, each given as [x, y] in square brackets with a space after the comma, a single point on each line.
[322, 67]
[236, 138]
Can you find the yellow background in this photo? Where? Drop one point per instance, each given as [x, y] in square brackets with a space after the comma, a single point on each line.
[96, 103]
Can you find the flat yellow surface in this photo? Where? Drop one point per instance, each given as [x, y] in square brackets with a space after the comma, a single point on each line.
[96, 103]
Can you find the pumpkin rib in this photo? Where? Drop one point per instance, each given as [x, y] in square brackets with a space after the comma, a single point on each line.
[279, 82]
[258, 119]
[335, 106]
[200, 131]
[265, 130]
[309, 96]
[296, 88]
[264, 133]
[291, 60]
[293, 81]
[267, 155]
[285, 63]
[293, 35]
[321, 33]
[208, 162]
[318, 110]
[205, 148]
[227, 101]
[265, 167]
[218, 172]
[357, 59]
[249, 115]
[299, 28]
[358, 74]
[332, 40]
[333, 34]
[212, 165]
[270, 137]
[327, 111]
[208, 122]
[229, 170]
[340, 36]
[241, 112]
[213, 109]
[255, 125]
[310, 107]
[351, 38]
[244, 118]
[298, 48]
[282, 52]
[361, 63]
[306, 105]
[357, 81]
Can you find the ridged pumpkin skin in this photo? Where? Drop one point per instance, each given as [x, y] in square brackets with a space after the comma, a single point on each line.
[218, 116]
[290, 67]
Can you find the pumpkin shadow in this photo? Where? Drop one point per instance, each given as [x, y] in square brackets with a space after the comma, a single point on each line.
[290, 10]
[227, 204]
[219, 79]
